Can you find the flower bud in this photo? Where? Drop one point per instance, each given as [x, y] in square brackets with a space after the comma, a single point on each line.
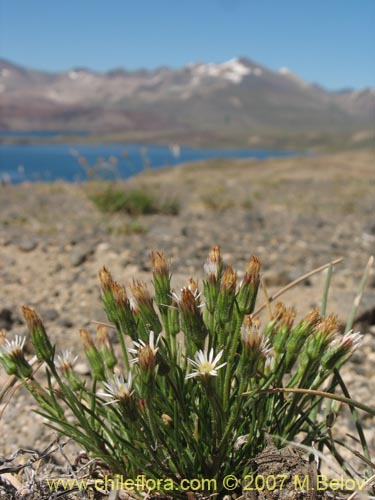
[106, 281]
[93, 356]
[248, 290]
[278, 312]
[65, 362]
[173, 318]
[283, 329]
[213, 268]
[123, 316]
[255, 345]
[105, 347]
[2, 337]
[192, 323]
[269, 365]
[42, 345]
[162, 279]
[226, 296]
[324, 333]
[145, 306]
[116, 304]
[298, 337]
[167, 420]
[142, 405]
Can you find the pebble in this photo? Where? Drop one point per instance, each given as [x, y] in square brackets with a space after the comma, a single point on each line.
[27, 245]
[276, 278]
[369, 233]
[65, 322]
[50, 315]
[79, 255]
[6, 318]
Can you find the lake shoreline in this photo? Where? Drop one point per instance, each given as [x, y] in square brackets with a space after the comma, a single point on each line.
[315, 141]
[80, 162]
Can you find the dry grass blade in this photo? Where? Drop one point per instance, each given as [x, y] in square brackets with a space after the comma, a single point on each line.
[297, 281]
[108, 325]
[11, 382]
[9, 478]
[266, 298]
[323, 394]
[358, 297]
[365, 485]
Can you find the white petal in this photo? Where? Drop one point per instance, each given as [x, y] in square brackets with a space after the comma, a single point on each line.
[220, 366]
[218, 356]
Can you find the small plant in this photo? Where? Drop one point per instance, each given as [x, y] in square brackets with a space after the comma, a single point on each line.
[133, 227]
[110, 198]
[102, 168]
[217, 199]
[197, 387]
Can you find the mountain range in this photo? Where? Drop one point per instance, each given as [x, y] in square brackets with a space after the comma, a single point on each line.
[234, 97]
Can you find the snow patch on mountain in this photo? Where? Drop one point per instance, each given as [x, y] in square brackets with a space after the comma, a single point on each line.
[4, 73]
[233, 70]
[285, 71]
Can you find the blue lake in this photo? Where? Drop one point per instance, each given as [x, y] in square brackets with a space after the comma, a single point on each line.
[74, 162]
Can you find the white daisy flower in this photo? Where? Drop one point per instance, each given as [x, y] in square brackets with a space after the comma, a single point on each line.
[205, 364]
[66, 361]
[118, 389]
[12, 347]
[348, 342]
[211, 268]
[151, 346]
[184, 295]
[270, 363]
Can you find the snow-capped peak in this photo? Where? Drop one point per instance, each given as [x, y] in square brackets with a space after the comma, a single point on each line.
[73, 75]
[233, 70]
[285, 71]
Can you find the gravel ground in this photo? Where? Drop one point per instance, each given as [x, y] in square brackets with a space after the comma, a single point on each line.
[294, 214]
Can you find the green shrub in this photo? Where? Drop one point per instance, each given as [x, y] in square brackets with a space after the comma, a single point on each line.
[217, 199]
[203, 386]
[133, 227]
[110, 198]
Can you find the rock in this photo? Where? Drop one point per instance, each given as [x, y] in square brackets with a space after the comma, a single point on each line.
[371, 281]
[79, 255]
[6, 262]
[6, 318]
[27, 245]
[103, 247]
[50, 315]
[58, 267]
[369, 233]
[276, 278]
[66, 322]
[297, 273]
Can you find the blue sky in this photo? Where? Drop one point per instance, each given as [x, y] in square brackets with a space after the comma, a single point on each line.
[331, 42]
